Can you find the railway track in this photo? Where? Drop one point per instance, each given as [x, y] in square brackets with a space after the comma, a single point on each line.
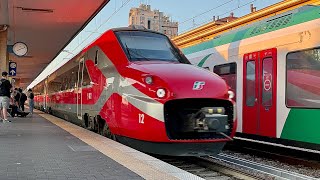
[289, 156]
[259, 170]
[194, 166]
[225, 166]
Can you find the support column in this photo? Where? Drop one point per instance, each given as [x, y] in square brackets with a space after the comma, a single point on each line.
[4, 24]
[4, 56]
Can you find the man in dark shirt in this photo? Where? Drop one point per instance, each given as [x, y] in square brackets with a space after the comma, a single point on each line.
[23, 99]
[5, 87]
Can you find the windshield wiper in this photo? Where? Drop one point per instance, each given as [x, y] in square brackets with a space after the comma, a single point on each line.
[128, 50]
[139, 54]
[134, 52]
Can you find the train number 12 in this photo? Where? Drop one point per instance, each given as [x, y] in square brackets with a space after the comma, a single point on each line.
[141, 118]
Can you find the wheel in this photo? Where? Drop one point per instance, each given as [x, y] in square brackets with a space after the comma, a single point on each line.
[107, 133]
[86, 121]
[96, 127]
[50, 111]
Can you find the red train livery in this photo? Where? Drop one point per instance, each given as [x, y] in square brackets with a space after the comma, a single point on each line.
[136, 87]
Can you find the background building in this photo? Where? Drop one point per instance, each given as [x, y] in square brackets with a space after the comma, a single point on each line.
[153, 20]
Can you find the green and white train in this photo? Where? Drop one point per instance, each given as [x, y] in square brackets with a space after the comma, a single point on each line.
[273, 66]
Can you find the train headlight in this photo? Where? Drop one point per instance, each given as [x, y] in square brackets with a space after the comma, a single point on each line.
[148, 80]
[161, 93]
[231, 94]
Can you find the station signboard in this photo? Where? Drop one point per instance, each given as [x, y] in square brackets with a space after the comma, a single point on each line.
[12, 68]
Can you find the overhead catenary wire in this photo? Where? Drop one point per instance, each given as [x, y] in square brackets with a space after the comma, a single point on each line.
[204, 22]
[192, 18]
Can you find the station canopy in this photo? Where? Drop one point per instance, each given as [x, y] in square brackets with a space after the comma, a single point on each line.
[46, 26]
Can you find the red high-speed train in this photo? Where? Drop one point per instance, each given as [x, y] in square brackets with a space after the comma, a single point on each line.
[134, 86]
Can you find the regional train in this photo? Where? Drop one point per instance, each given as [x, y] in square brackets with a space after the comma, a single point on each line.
[135, 86]
[273, 65]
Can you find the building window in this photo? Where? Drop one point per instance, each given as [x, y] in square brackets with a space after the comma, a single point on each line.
[149, 24]
[303, 79]
[228, 72]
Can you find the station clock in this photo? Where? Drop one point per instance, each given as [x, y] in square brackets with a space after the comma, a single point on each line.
[20, 49]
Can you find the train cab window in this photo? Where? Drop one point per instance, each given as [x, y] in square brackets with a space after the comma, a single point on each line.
[303, 79]
[229, 73]
[148, 46]
[250, 83]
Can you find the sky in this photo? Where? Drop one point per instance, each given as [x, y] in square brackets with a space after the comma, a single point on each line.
[188, 13]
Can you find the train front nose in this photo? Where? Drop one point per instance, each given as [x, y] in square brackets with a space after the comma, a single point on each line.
[199, 106]
[196, 104]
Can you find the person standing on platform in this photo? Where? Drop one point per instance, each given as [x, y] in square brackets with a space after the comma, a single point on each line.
[5, 88]
[23, 99]
[31, 101]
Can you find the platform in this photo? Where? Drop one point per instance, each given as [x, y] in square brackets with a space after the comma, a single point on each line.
[46, 147]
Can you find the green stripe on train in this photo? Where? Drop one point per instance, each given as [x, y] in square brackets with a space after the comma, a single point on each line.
[306, 14]
[203, 60]
[302, 125]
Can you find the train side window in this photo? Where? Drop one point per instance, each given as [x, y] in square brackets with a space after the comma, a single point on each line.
[229, 73]
[250, 83]
[303, 79]
[96, 57]
[86, 78]
[267, 79]
[74, 78]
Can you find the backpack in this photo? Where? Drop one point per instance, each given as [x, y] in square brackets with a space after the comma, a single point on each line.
[23, 97]
[3, 89]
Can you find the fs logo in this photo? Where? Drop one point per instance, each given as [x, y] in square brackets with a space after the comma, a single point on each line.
[198, 85]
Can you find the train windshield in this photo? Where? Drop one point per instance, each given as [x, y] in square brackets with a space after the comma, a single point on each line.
[148, 46]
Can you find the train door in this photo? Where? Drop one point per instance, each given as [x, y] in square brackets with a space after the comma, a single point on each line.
[259, 92]
[79, 88]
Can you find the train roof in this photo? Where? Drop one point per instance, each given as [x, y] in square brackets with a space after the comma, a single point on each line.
[134, 29]
[280, 21]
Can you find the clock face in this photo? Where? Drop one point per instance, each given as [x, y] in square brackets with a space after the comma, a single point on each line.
[20, 49]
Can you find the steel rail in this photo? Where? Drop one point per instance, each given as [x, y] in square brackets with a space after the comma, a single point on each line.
[261, 168]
